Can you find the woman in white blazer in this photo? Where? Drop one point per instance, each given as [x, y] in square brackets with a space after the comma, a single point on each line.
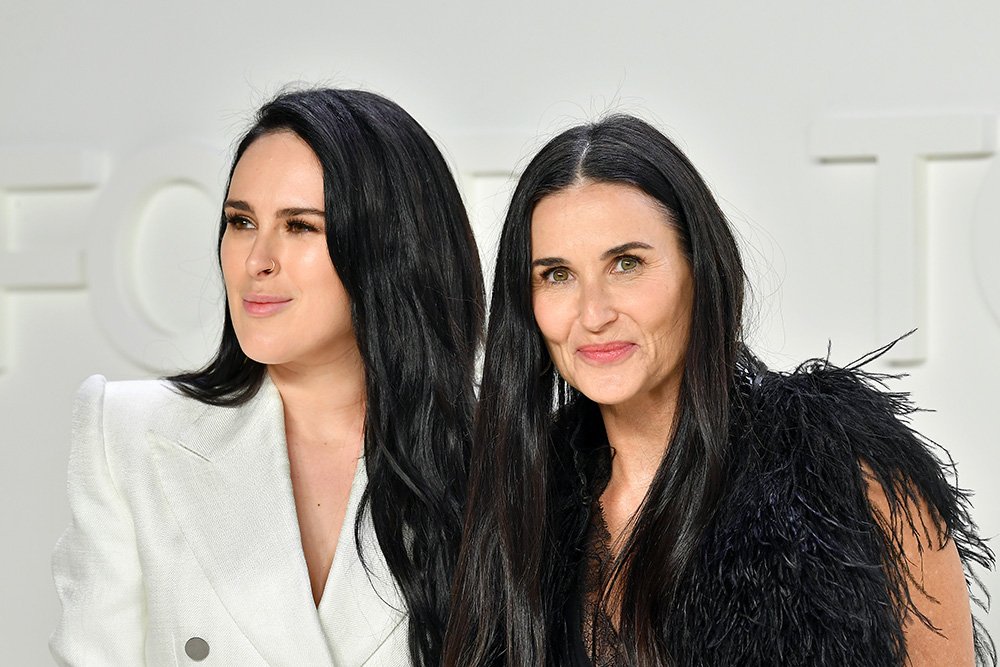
[297, 501]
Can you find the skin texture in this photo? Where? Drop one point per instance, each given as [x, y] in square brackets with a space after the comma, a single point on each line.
[583, 294]
[937, 587]
[278, 172]
[608, 267]
[275, 246]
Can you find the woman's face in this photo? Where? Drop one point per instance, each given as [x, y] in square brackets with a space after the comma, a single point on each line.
[287, 303]
[612, 292]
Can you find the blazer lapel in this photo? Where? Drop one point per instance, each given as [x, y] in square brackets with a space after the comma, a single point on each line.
[226, 478]
[359, 609]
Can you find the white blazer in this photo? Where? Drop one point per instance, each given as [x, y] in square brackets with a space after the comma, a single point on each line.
[184, 537]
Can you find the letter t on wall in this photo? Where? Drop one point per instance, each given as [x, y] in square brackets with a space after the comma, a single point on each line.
[49, 170]
[901, 146]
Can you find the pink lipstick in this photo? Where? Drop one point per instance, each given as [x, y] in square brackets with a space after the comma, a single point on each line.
[263, 305]
[606, 353]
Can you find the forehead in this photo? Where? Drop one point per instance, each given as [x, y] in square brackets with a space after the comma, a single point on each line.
[600, 215]
[279, 162]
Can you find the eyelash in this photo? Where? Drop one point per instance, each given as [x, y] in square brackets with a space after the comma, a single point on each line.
[546, 275]
[241, 222]
[633, 258]
[300, 227]
[238, 222]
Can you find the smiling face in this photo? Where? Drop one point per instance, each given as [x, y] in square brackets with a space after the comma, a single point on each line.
[287, 303]
[612, 292]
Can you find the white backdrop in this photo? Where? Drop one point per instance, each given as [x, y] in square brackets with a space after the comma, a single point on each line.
[853, 144]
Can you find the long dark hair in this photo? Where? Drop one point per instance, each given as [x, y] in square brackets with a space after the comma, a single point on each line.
[399, 236]
[529, 493]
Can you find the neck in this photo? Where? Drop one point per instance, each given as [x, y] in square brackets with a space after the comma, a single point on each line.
[640, 432]
[324, 403]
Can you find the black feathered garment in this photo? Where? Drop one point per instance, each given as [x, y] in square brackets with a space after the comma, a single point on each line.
[796, 568]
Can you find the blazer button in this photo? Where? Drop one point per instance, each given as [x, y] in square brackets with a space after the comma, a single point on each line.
[196, 649]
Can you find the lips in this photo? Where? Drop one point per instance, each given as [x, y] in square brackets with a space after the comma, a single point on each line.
[606, 353]
[263, 305]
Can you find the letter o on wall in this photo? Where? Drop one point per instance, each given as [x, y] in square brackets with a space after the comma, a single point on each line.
[111, 261]
[986, 240]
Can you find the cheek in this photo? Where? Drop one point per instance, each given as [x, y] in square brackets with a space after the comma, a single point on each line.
[338, 303]
[552, 317]
[333, 299]
[231, 259]
[311, 265]
[672, 317]
[661, 301]
[313, 255]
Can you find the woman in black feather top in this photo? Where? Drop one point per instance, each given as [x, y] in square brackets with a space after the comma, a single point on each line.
[645, 492]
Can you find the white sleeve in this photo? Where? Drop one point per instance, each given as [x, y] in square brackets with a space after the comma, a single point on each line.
[96, 563]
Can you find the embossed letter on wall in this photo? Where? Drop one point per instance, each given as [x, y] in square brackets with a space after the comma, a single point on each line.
[901, 145]
[114, 265]
[53, 170]
[158, 307]
[986, 240]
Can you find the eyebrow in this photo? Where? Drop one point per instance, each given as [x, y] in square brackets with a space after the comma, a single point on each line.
[548, 261]
[607, 254]
[625, 247]
[241, 205]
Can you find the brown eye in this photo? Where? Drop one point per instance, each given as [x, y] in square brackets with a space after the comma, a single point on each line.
[239, 222]
[300, 227]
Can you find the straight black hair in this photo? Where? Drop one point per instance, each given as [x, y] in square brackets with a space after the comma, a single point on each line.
[529, 492]
[400, 240]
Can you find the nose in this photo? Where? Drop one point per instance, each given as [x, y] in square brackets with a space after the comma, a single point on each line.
[261, 261]
[597, 308]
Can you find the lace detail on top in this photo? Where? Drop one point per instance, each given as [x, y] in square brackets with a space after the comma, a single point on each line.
[600, 637]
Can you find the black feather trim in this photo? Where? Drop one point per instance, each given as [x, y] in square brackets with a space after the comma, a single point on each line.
[797, 568]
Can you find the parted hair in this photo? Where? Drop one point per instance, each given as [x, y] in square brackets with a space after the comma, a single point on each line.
[400, 240]
[527, 505]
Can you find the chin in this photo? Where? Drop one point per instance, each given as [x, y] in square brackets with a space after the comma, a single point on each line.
[606, 392]
[263, 352]
[263, 357]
